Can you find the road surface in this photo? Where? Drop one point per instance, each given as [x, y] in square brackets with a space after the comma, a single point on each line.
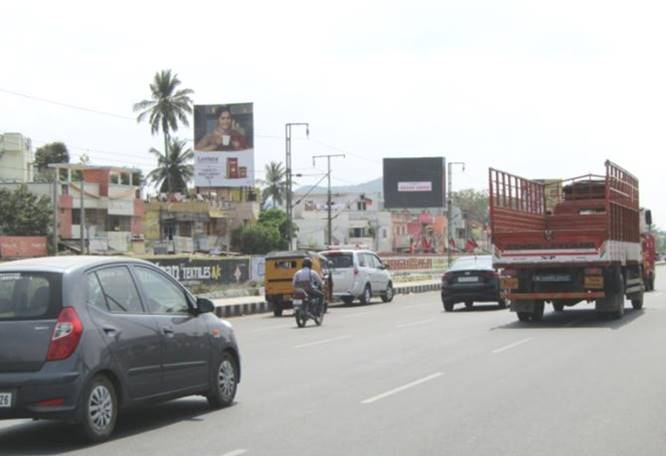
[406, 378]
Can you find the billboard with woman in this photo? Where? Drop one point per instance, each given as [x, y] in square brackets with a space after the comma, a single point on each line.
[224, 145]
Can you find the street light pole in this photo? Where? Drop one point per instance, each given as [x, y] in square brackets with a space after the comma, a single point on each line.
[287, 140]
[329, 203]
[449, 209]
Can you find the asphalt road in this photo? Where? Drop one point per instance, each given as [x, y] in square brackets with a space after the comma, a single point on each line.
[406, 378]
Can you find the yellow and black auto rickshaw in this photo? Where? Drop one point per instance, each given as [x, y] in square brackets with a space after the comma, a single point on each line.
[280, 270]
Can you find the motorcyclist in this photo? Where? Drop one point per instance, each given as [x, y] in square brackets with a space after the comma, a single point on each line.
[309, 280]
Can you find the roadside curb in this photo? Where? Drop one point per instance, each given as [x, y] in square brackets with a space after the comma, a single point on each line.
[261, 306]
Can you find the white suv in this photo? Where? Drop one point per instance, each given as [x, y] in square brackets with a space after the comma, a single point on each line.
[359, 274]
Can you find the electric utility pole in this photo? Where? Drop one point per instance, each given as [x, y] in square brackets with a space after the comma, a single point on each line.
[288, 173]
[329, 236]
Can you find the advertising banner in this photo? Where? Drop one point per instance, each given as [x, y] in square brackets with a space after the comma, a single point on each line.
[194, 271]
[414, 183]
[224, 145]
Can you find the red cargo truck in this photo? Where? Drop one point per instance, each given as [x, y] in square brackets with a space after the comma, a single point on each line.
[581, 243]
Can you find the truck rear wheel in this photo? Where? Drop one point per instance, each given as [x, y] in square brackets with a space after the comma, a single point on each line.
[524, 316]
[558, 306]
[537, 312]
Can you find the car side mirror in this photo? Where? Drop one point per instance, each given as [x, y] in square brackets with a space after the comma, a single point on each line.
[205, 306]
[382, 266]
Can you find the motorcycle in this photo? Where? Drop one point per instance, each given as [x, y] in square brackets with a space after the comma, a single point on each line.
[307, 307]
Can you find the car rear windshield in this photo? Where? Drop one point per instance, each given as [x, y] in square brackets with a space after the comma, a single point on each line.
[340, 260]
[472, 263]
[30, 295]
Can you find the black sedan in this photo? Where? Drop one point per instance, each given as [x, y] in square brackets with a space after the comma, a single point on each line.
[471, 279]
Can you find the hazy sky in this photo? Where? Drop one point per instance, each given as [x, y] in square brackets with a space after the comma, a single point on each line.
[542, 89]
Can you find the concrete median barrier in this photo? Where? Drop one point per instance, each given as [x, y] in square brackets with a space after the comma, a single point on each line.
[236, 307]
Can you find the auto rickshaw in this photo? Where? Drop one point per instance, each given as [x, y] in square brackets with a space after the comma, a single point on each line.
[280, 270]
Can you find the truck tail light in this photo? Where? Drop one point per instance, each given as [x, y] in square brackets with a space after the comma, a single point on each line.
[66, 335]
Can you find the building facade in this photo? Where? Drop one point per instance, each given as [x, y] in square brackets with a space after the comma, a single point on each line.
[16, 158]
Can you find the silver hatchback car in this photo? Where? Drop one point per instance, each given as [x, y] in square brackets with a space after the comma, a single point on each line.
[82, 338]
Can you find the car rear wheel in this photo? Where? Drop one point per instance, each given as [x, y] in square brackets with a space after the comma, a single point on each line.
[224, 383]
[367, 295]
[448, 306]
[99, 410]
[469, 305]
[388, 294]
[502, 304]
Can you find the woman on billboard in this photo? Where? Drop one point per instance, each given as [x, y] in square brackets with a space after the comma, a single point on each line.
[224, 136]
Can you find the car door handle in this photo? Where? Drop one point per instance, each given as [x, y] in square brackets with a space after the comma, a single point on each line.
[110, 331]
[167, 331]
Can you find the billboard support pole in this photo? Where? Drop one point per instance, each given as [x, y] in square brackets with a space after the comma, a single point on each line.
[449, 209]
[288, 174]
[329, 235]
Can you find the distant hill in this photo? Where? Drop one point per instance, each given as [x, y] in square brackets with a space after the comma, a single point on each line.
[373, 186]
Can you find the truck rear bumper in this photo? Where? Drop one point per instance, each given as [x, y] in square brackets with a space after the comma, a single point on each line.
[548, 296]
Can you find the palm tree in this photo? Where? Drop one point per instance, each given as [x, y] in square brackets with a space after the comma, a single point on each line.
[173, 171]
[167, 106]
[276, 185]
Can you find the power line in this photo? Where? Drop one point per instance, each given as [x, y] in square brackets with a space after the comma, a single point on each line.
[65, 105]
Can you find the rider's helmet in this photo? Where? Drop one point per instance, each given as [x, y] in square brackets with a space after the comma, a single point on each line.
[307, 263]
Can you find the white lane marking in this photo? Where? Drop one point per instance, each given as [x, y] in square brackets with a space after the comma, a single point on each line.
[270, 328]
[656, 294]
[414, 323]
[401, 388]
[237, 452]
[319, 342]
[510, 346]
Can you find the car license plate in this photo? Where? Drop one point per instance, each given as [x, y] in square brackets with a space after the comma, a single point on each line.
[5, 400]
[468, 279]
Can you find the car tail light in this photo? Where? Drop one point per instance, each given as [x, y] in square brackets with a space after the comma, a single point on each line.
[66, 335]
[593, 271]
[51, 402]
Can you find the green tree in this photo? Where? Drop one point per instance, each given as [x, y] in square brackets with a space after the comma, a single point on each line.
[173, 170]
[278, 219]
[23, 213]
[474, 203]
[55, 152]
[257, 239]
[276, 184]
[166, 108]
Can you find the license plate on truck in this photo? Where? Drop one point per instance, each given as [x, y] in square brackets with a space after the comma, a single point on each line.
[552, 278]
[5, 400]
